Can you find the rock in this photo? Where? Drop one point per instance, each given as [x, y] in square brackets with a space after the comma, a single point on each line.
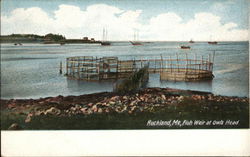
[94, 108]
[107, 110]
[157, 105]
[28, 118]
[133, 108]
[12, 105]
[38, 113]
[54, 110]
[114, 98]
[99, 110]
[210, 97]
[141, 98]
[84, 110]
[125, 108]
[163, 97]
[106, 104]
[181, 98]
[111, 102]
[90, 104]
[78, 107]
[133, 103]
[14, 126]
[125, 97]
[89, 111]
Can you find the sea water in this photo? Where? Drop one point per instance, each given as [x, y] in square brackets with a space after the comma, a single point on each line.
[32, 70]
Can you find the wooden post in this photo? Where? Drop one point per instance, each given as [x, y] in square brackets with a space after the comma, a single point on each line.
[161, 63]
[141, 62]
[213, 56]
[202, 62]
[213, 62]
[67, 66]
[195, 60]
[60, 71]
[170, 64]
[186, 67]
[73, 67]
[177, 61]
[78, 68]
[155, 65]
[199, 68]
[207, 63]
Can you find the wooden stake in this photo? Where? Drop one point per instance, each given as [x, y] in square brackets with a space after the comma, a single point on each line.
[177, 61]
[201, 62]
[67, 66]
[170, 64]
[60, 68]
[161, 62]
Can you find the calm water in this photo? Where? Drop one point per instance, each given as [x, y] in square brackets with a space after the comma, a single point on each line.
[32, 70]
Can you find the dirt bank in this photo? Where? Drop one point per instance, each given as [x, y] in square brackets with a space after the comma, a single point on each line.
[153, 102]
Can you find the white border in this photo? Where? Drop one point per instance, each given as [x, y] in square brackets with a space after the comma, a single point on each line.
[126, 143]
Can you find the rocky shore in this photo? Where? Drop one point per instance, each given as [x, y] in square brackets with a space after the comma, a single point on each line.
[149, 100]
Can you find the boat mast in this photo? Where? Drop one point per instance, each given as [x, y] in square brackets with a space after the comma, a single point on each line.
[103, 33]
[106, 35]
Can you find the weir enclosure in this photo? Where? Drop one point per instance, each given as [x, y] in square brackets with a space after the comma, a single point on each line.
[178, 67]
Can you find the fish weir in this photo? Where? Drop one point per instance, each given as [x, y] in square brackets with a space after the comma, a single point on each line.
[178, 67]
[135, 82]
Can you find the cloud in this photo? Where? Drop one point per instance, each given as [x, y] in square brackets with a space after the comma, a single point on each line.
[31, 20]
[73, 22]
[204, 26]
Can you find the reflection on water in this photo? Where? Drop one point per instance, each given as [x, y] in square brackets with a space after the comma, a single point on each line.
[76, 87]
[205, 86]
[32, 70]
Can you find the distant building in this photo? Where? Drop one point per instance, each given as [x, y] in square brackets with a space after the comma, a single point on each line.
[85, 38]
[92, 39]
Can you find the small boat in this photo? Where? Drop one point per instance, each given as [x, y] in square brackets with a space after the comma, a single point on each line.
[136, 42]
[212, 42]
[104, 41]
[191, 41]
[185, 47]
[20, 44]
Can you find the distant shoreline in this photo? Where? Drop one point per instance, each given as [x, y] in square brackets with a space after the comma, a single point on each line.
[98, 42]
[32, 38]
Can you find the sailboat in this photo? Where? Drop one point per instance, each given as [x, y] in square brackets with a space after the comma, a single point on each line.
[104, 38]
[185, 47]
[191, 41]
[136, 42]
[212, 42]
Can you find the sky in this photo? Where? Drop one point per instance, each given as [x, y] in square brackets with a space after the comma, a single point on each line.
[155, 20]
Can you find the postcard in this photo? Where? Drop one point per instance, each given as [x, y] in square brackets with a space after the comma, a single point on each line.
[116, 65]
